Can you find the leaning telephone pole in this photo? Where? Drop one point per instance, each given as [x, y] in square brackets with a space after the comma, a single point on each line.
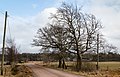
[3, 48]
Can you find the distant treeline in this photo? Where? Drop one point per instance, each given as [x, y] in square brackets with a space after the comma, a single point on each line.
[110, 56]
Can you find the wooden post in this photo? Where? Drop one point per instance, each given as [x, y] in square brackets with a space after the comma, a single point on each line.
[97, 66]
[3, 48]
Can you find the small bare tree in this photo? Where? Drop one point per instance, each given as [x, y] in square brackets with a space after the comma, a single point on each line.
[11, 52]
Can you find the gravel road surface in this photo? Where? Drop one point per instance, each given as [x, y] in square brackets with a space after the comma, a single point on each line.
[39, 71]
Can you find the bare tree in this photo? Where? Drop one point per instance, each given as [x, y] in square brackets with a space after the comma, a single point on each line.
[11, 52]
[55, 37]
[71, 31]
[82, 28]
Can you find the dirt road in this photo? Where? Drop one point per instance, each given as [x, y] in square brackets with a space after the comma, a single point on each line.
[39, 71]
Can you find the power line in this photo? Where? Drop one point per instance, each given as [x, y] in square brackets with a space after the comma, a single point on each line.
[1, 12]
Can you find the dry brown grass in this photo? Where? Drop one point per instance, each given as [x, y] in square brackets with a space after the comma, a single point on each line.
[103, 74]
[107, 69]
[7, 71]
[18, 71]
[22, 71]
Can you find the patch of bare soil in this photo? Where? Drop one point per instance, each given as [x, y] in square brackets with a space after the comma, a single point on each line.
[21, 71]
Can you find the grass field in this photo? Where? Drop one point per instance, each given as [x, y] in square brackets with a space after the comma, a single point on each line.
[109, 65]
[106, 69]
[102, 65]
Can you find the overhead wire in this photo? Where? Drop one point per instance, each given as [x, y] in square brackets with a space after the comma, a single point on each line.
[9, 17]
[1, 12]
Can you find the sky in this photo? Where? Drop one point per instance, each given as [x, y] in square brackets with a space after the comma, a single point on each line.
[25, 17]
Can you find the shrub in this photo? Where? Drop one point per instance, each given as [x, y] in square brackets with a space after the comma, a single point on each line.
[15, 70]
[88, 67]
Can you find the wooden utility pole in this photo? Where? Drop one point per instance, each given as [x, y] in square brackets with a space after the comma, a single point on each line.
[3, 48]
[97, 66]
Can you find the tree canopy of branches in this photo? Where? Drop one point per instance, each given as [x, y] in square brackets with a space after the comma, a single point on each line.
[70, 31]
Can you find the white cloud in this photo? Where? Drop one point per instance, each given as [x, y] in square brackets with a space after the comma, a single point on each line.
[42, 18]
[109, 13]
[23, 29]
[1, 28]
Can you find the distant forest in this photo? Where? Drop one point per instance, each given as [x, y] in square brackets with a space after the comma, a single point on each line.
[51, 57]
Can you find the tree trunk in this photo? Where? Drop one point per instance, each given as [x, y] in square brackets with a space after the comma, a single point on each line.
[60, 63]
[64, 65]
[12, 64]
[79, 62]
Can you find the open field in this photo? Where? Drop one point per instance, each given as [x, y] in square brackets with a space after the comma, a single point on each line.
[102, 65]
[106, 69]
[109, 65]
